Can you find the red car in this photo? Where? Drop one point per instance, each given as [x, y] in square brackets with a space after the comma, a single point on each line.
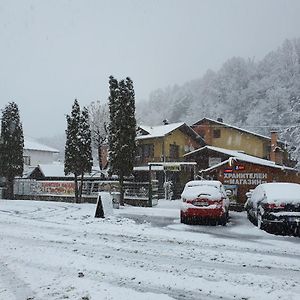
[204, 201]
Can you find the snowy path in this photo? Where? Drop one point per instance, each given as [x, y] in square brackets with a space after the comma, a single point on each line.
[44, 246]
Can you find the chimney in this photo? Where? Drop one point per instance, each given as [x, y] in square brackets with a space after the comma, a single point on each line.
[208, 131]
[220, 120]
[165, 121]
[276, 153]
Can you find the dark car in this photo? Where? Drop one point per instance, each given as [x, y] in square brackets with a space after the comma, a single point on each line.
[275, 207]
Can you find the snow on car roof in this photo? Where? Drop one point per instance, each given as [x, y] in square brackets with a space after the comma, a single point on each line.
[282, 192]
[203, 182]
[201, 191]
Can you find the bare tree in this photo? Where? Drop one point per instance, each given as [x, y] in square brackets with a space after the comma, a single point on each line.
[99, 120]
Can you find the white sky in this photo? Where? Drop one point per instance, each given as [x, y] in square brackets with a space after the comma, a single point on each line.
[52, 52]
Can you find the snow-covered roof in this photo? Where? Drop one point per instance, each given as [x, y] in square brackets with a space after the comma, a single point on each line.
[53, 170]
[146, 168]
[235, 127]
[57, 170]
[234, 154]
[158, 131]
[30, 144]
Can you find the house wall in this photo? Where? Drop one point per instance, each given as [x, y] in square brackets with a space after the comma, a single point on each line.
[39, 157]
[233, 139]
[162, 145]
[185, 143]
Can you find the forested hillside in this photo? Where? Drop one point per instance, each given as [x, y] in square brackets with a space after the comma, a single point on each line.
[257, 95]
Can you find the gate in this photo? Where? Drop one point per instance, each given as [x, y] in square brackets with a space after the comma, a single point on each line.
[141, 193]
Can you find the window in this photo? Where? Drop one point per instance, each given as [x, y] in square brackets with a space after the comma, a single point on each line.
[216, 133]
[148, 150]
[174, 151]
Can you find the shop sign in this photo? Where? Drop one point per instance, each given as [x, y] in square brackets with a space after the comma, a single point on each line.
[172, 168]
[57, 187]
[245, 178]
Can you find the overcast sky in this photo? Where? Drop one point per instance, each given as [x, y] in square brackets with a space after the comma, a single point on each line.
[54, 51]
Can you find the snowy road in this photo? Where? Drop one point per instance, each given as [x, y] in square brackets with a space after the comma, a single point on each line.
[44, 246]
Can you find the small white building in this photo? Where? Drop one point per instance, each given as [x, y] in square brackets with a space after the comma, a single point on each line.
[35, 153]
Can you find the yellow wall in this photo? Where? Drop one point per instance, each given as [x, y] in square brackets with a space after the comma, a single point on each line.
[176, 137]
[235, 140]
[179, 138]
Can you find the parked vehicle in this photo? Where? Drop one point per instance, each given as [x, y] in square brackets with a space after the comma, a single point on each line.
[204, 201]
[275, 207]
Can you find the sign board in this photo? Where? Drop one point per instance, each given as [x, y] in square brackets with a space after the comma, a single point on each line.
[172, 168]
[106, 201]
[57, 187]
[245, 178]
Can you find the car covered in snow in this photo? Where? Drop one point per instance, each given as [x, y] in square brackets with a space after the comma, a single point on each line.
[204, 201]
[275, 207]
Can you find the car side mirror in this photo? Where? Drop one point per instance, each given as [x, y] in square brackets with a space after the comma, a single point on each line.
[228, 193]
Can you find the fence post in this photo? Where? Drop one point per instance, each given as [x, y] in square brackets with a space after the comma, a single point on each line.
[150, 189]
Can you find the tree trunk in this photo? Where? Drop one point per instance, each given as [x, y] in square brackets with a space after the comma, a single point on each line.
[9, 193]
[76, 188]
[81, 187]
[121, 182]
[100, 156]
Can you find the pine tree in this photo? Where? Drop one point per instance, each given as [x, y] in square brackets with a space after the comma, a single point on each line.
[72, 149]
[112, 137]
[122, 129]
[85, 145]
[11, 147]
[78, 151]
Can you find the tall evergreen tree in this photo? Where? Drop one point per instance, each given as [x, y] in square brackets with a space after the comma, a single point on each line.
[78, 152]
[72, 149]
[11, 147]
[122, 129]
[85, 145]
[112, 137]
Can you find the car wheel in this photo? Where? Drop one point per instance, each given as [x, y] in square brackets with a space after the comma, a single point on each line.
[223, 220]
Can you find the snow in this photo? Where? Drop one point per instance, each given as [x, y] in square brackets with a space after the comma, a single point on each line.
[57, 169]
[30, 144]
[240, 156]
[208, 192]
[158, 131]
[53, 170]
[45, 245]
[282, 192]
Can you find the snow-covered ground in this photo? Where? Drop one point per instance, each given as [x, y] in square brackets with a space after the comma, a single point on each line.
[52, 250]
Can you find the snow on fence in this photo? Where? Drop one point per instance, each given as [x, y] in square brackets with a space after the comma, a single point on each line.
[141, 193]
[136, 193]
[60, 187]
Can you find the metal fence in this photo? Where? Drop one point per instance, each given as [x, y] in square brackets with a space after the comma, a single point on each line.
[141, 193]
